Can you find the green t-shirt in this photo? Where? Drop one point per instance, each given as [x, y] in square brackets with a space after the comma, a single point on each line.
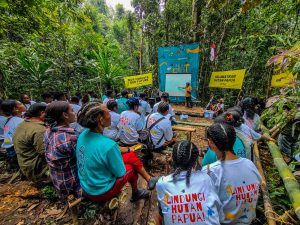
[103, 97]
[238, 148]
[99, 162]
[122, 106]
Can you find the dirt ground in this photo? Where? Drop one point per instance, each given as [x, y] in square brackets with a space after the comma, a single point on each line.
[181, 108]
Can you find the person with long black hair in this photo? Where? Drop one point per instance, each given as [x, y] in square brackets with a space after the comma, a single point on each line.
[187, 196]
[60, 148]
[12, 110]
[252, 119]
[236, 179]
[29, 145]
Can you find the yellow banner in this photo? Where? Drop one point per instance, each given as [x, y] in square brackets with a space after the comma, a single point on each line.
[282, 80]
[232, 79]
[138, 80]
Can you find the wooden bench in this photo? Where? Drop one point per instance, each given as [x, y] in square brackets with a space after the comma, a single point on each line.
[188, 130]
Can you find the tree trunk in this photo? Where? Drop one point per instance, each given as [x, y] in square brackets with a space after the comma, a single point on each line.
[219, 47]
[2, 86]
[196, 16]
[167, 23]
[131, 48]
[141, 51]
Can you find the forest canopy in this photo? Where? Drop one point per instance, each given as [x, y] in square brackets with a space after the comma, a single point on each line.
[82, 45]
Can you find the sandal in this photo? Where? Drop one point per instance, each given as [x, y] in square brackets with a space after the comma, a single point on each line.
[139, 194]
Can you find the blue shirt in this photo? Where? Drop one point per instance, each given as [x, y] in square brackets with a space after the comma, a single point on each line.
[99, 162]
[238, 148]
[122, 106]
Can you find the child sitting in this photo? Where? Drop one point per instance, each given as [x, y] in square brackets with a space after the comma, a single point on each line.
[187, 196]
[12, 111]
[236, 179]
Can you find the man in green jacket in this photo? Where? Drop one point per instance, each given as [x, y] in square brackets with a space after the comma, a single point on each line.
[28, 143]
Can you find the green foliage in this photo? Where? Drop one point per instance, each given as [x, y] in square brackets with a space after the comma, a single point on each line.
[287, 59]
[36, 71]
[284, 108]
[278, 194]
[107, 72]
[49, 192]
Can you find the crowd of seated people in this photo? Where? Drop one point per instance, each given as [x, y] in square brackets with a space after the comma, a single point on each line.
[97, 160]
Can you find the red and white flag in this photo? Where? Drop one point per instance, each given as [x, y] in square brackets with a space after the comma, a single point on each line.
[212, 52]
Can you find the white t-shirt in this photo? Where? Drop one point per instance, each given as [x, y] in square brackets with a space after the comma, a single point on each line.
[220, 106]
[162, 129]
[3, 120]
[105, 101]
[112, 132]
[237, 184]
[248, 133]
[196, 204]
[171, 112]
[9, 130]
[76, 107]
[144, 108]
[130, 124]
[28, 105]
[252, 123]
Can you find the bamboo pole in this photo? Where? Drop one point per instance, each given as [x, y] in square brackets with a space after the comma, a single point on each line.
[290, 182]
[288, 218]
[275, 133]
[188, 129]
[193, 124]
[267, 202]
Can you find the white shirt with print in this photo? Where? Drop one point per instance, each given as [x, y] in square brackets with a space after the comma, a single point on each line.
[28, 105]
[9, 130]
[76, 107]
[196, 204]
[248, 133]
[129, 125]
[144, 108]
[3, 120]
[252, 123]
[105, 101]
[112, 131]
[162, 129]
[171, 112]
[237, 185]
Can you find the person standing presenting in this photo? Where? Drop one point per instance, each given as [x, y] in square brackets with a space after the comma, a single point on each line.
[188, 95]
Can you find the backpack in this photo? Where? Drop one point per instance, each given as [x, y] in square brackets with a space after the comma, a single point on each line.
[145, 135]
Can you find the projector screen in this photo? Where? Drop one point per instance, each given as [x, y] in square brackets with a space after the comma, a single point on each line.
[175, 83]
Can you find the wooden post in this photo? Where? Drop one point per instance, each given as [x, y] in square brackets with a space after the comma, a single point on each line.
[267, 202]
[188, 136]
